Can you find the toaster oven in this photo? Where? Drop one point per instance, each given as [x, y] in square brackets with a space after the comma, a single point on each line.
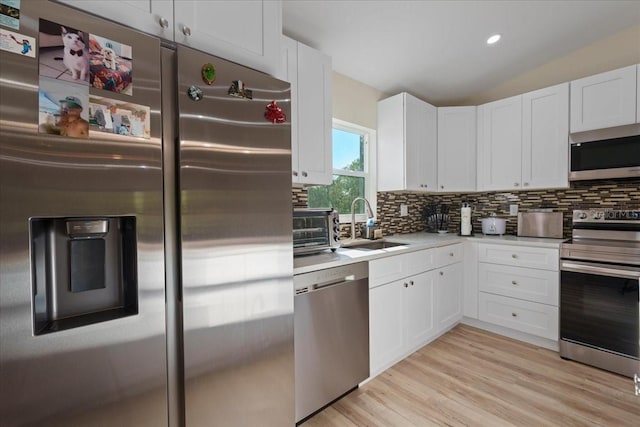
[315, 229]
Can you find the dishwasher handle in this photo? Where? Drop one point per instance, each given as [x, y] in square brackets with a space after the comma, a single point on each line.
[321, 279]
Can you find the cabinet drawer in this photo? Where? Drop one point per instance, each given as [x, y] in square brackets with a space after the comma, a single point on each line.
[419, 261]
[448, 255]
[523, 283]
[520, 256]
[385, 270]
[530, 317]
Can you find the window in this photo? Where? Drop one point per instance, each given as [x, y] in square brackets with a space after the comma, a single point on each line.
[353, 172]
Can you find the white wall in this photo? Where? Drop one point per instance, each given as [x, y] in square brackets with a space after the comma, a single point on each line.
[616, 51]
[356, 102]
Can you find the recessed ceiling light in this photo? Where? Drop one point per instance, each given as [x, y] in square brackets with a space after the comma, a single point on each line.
[493, 39]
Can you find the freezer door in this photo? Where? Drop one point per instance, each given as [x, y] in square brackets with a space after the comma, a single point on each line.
[80, 344]
[236, 237]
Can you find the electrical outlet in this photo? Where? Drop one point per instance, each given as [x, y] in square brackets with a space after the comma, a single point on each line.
[404, 210]
[513, 210]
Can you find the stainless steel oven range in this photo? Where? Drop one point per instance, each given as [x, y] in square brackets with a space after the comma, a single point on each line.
[599, 306]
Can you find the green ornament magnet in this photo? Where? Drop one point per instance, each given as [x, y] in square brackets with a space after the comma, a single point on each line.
[208, 73]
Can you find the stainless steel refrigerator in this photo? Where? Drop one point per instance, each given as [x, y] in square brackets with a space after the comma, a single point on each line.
[145, 231]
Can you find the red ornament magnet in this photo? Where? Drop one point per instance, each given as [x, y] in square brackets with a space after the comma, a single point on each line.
[274, 114]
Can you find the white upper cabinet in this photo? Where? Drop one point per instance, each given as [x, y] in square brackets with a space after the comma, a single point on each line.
[150, 16]
[407, 144]
[545, 138]
[500, 144]
[246, 32]
[309, 72]
[604, 100]
[457, 148]
[523, 141]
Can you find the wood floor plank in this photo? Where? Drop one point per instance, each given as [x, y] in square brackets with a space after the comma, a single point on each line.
[471, 377]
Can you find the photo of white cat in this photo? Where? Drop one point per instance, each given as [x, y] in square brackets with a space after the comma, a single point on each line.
[75, 56]
[63, 53]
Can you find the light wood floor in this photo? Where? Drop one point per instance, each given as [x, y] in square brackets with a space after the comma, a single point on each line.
[470, 377]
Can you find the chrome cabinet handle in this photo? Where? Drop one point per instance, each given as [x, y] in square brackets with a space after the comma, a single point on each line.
[513, 282]
[514, 314]
[164, 22]
[406, 286]
[186, 31]
[450, 253]
[442, 273]
[304, 174]
[411, 282]
[295, 173]
[514, 256]
[516, 184]
[442, 187]
[526, 184]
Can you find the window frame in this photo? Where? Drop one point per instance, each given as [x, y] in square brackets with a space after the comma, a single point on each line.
[369, 173]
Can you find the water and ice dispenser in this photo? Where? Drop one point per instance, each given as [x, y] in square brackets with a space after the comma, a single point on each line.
[84, 271]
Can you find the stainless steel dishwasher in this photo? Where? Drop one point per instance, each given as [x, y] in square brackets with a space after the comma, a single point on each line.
[331, 335]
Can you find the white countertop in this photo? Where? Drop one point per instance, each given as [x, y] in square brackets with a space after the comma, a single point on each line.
[414, 241]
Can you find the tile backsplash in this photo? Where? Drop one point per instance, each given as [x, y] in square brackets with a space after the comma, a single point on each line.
[610, 194]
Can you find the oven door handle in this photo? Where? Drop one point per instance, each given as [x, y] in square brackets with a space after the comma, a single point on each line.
[599, 270]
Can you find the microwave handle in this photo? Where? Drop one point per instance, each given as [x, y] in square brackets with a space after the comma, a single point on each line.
[599, 270]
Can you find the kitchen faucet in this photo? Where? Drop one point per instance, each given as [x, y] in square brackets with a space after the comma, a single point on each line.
[353, 214]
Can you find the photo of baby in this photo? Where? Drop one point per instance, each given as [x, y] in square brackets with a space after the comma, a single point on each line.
[63, 109]
[111, 65]
[63, 53]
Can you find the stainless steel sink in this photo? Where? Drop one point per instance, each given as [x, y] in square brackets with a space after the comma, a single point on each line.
[373, 245]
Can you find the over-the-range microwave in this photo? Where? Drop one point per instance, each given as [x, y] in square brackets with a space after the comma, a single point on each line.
[611, 158]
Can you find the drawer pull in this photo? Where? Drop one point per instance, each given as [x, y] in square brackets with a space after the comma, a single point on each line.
[514, 314]
[442, 273]
[514, 256]
[450, 253]
[406, 286]
[411, 282]
[513, 282]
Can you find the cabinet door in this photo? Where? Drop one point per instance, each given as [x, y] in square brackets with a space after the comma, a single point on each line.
[604, 100]
[448, 296]
[289, 73]
[391, 142]
[421, 145]
[314, 116]
[545, 138]
[500, 144]
[420, 305]
[246, 32]
[150, 16]
[457, 149]
[386, 324]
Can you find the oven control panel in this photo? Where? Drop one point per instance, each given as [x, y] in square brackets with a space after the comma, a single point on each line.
[601, 215]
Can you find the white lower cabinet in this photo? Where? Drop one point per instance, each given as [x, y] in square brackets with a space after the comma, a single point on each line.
[420, 318]
[525, 316]
[408, 309]
[386, 324]
[518, 288]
